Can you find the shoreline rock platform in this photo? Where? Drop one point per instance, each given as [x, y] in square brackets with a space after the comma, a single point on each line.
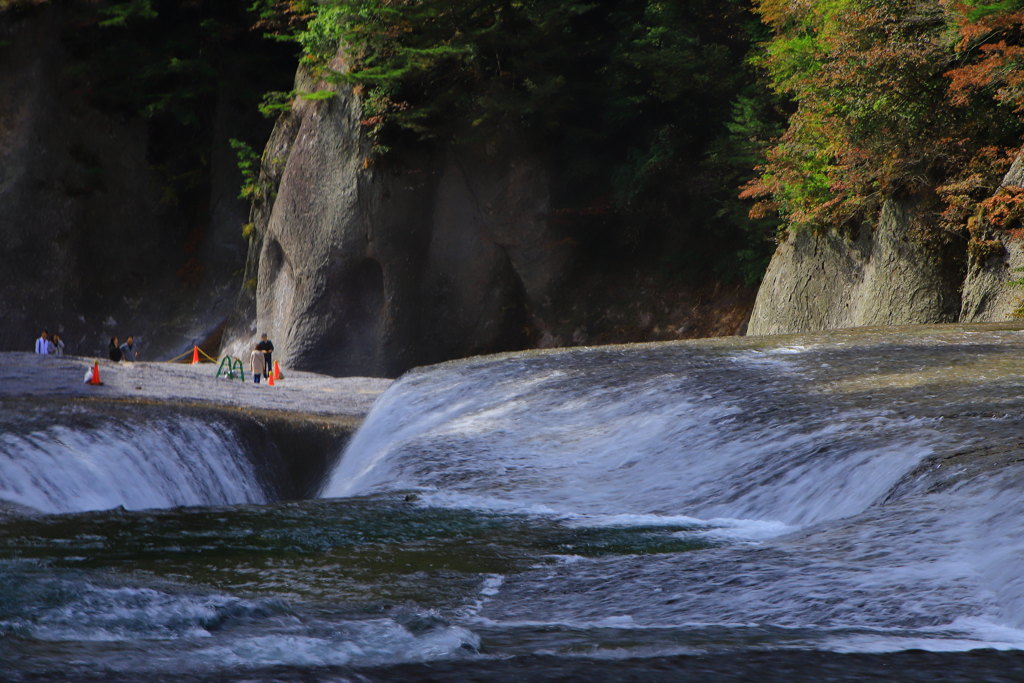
[303, 396]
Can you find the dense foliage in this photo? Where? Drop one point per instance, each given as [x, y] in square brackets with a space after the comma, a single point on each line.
[654, 114]
[650, 109]
[882, 108]
[991, 68]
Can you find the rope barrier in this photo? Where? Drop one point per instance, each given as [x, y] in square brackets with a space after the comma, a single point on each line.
[193, 350]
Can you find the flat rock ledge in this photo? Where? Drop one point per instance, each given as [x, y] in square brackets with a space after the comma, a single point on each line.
[299, 396]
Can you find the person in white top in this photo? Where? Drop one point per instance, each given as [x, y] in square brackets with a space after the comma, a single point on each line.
[43, 345]
[257, 363]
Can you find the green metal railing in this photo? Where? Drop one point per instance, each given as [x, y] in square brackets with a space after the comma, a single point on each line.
[234, 368]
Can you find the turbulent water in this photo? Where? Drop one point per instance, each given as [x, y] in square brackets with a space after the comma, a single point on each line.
[76, 459]
[837, 507]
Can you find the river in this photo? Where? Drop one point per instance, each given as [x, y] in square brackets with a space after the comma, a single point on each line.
[841, 506]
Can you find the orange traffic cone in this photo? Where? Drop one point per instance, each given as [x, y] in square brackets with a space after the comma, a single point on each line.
[270, 380]
[277, 371]
[195, 355]
[95, 374]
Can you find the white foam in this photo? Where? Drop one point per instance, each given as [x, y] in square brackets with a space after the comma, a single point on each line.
[490, 587]
[973, 639]
[222, 631]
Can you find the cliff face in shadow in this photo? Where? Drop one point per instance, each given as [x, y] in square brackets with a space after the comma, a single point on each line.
[371, 271]
[105, 229]
[356, 267]
[363, 268]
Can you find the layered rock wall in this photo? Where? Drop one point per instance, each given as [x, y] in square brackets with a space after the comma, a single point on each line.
[897, 273]
[989, 294]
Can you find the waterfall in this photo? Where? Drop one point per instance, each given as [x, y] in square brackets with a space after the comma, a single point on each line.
[719, 500]
[98, 462]
[661, 431]
[855, 471]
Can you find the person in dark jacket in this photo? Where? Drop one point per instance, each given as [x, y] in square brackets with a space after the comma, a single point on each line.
[267, 347]
[114, 350]
[128, 349]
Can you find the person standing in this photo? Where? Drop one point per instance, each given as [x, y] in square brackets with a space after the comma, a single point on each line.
[128, 349]
[43, 344]
[114, 351]
[267, 347]
[58, 345]
[257, 363]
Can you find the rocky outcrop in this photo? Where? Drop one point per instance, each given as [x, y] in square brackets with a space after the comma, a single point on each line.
[360, 267]
[996, 261]
[370, 270]
[989, 292]
[897, 273]
[890, 275]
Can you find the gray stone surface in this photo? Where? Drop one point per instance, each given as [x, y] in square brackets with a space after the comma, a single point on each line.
[888, 275]
[368, 269]
[299, 394]
[988, 295]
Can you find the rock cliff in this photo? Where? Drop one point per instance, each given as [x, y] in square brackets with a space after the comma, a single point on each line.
[895, 273]
[371, 270]
[996, 260]
[367, 268]
[96, 242]
[892, 274]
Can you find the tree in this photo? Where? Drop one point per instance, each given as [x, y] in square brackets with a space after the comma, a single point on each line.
[632, 100]
[873, 116]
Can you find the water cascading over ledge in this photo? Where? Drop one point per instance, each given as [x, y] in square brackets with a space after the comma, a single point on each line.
[77, 457]
[712, 431]
[841, 505]
[873, 470]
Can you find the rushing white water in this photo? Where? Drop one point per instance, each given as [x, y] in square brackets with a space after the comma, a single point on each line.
[155, 463]
[726, 501]
[589, 437]
[793, 447]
